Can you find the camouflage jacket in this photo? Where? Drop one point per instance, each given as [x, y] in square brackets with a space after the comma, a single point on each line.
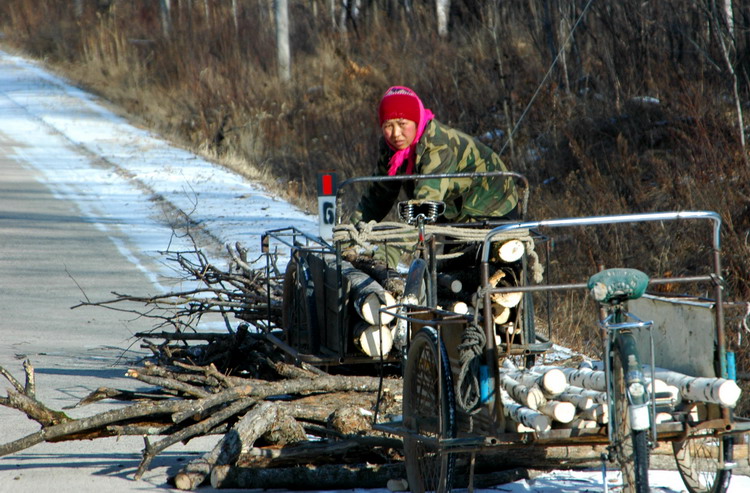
[444, 150]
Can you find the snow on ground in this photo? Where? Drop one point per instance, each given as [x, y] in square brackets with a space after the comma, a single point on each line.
[116, 173]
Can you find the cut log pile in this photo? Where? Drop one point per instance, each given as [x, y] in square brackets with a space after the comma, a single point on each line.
[542, 397]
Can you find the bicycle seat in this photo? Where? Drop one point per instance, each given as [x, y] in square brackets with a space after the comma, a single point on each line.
[617, 285]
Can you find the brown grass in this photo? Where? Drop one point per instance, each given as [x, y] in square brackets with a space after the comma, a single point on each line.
[588, 143]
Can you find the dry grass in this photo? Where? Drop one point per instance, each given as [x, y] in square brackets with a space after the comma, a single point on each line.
[589, 143]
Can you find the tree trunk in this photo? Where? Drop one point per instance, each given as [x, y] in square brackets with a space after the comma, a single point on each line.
[283, 53]
[522, 414]
[442, 8]
[325, 477]
[252, 426]
[165, 12]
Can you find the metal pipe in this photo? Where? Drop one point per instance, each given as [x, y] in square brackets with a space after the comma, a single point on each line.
[601, 220]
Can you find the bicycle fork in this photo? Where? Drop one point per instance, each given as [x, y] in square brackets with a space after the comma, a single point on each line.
[641, 406]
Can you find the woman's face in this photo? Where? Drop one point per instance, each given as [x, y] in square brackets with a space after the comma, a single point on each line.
[399, 132]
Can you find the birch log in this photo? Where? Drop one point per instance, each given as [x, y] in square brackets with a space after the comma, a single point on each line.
[551, 380]
[562, 412]
[459, 307]
[531, 397]
[522, 414]
[450, 283]
[598, 413]
[720, 391]
[582, 398]
[508, 300]
[375, 341]
[704, 389]
[583, 377]
[500, 314]
[368, 296]
[661, 389]
[583, 424]
[510, 251]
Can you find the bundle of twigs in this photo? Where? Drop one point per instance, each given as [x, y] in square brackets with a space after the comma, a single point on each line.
[237, 291]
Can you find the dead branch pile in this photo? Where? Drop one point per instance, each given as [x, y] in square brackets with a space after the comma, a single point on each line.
[280, 426]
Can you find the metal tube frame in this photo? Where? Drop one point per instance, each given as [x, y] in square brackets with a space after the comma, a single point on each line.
[715, 262]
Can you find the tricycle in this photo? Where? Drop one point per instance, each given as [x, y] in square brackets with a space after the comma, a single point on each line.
[459, 321]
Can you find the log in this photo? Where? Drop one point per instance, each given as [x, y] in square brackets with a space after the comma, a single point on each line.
[200, 428]
[550, 380]
[582, 377]
[500, 314]
[531, 397]
[665, 394]
[247, 430]
[720, 391]
[583, 398]
[459, 307]
[562, 412]
[450, 283]
[375, 341]
[511, 251]
[663, 418]
[73, 427]
[325, 477]
[522, 414]
[389, 278]
[261, 389]
[509, 299]
[583, 424]
[367, 295]
[598, 413]
[350, 420]
[317, 452]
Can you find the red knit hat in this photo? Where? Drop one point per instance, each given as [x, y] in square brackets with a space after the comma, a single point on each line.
[399, 102]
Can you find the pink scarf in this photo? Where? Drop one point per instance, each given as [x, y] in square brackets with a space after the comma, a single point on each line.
[397, 160]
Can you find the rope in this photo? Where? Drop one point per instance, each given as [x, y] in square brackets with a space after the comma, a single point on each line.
[470, 355]
[364, 235]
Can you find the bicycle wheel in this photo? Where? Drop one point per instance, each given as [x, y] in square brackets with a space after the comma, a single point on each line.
[429, 411]
[631, 446]
[700, 459]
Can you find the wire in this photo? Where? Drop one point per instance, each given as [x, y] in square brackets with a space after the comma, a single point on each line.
[546, 76]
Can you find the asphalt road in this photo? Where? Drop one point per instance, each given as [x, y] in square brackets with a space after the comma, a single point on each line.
[51, 258]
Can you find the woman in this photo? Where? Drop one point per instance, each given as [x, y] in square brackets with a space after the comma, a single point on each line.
[414, 142]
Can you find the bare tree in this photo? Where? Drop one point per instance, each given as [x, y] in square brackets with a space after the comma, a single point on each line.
[727, 43]
[78, 8]
[282, 39]
[443, 8]
[235, 18]
[165, 10]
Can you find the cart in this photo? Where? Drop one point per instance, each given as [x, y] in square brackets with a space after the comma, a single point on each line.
[463, 332]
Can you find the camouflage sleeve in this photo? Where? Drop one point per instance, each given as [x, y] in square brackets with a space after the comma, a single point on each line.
[437, 159]
[379, 197]
[447, 150]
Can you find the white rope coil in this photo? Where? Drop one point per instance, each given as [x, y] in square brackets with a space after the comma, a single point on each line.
[365, 235]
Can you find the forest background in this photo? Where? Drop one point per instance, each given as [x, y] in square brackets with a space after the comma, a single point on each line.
[606, 107]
